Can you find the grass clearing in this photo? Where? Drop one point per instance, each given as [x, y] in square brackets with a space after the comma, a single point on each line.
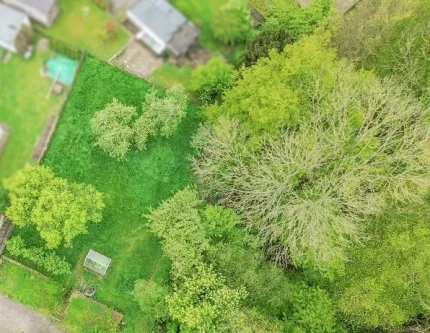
[24, 108]
[130, 187]
[84, 315]
[167, 75]
[81, 23]
[30, 289]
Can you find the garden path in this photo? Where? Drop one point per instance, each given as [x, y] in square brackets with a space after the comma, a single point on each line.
[15, 317]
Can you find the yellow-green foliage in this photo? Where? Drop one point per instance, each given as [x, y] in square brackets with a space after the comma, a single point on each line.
[60, 210]
[387, 281]
[269, 95]
[202, 302]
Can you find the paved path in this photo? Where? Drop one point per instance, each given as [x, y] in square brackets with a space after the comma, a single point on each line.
[17, 318]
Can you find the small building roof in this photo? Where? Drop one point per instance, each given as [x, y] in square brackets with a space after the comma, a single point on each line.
[183, 38]
[160, 17]
[11, 22]
[43, 6]
[99, 258]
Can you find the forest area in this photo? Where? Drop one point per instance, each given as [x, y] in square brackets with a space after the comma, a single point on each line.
[310, 211]
[293, 195]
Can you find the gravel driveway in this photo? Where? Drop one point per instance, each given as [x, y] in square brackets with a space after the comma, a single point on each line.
[17, 318]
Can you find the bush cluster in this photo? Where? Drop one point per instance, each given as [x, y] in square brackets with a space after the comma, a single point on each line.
[47, 260]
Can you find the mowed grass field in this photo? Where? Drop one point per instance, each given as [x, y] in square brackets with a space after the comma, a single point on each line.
[130, 187]
[24, 108]
[81, 23]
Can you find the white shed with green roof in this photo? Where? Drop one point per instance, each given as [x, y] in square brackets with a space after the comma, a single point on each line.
[97, 262]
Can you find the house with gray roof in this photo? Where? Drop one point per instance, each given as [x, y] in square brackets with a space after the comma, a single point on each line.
[41, 11]
[162, 27]
[11, 22]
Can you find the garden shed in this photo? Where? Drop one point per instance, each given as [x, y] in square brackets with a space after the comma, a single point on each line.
[97, 262]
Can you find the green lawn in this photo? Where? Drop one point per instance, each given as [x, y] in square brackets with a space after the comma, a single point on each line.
[83, 315]
[83, 29]
[168, 75]
[24, 107]
[30, 289]
[200, 12]
[130, 187]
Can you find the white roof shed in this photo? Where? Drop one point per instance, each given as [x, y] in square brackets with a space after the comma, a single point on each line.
[97, 262]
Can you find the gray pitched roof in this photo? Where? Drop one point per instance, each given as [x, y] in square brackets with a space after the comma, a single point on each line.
[43, 6]
[11, 22]
[183, 38]
[159, 16]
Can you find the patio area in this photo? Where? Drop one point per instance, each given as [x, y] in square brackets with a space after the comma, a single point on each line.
[138, 60]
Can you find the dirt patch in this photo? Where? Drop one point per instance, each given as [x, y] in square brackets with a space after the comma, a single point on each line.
[138, 60]
[19, 318]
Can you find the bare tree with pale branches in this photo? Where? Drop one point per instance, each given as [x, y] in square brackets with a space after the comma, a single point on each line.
[365, 145]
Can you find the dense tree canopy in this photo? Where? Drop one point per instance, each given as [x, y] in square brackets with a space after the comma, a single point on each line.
[272, 94]
[387, 281]
[307, 189]
[212, 79]
[297, 20]
[203, 302]
[267, 39]
[232, 22]
[60, 210]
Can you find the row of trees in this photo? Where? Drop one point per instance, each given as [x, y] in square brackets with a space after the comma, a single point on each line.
[221, 281]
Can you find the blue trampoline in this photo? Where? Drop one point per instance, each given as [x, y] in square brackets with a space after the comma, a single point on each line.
[62, 69]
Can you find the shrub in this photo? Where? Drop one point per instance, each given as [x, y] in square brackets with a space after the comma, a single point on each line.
[232, 22]
[48, 260]
[212, 79]
[312, 312]
[259, 46]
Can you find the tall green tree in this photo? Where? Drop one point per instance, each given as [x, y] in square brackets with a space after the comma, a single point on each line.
[203, 302]
[161, 115]
[264, 41]
[212, 79]
[112, 127]
[152, 300]
[271, 95]
[232, 22]
[178, 224]
[60, 210]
